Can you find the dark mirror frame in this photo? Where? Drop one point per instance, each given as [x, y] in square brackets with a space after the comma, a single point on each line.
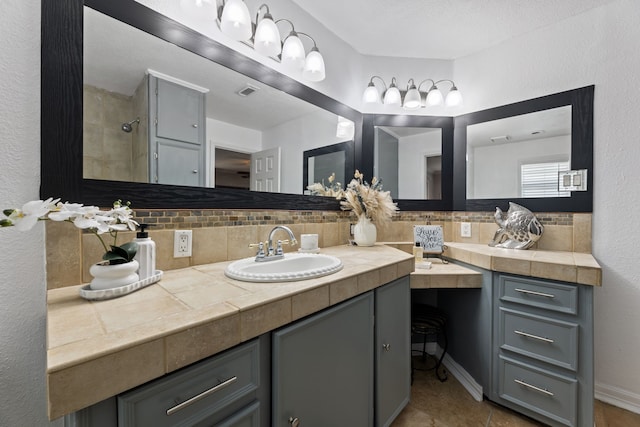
[61, 113]
[349, 165]
[370, 121]
[581, 101]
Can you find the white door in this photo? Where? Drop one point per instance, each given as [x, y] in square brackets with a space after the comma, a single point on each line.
[265, 171]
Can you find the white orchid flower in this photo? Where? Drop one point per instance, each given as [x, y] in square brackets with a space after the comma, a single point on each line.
[66, 211]
[24, 219]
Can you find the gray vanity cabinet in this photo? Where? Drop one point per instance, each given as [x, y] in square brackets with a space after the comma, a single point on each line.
[346, 366]
[543, 349]
[322, 371]
[177, 126]
[393, 350]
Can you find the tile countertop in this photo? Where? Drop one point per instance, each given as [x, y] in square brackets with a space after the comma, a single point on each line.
[572, 267]
[99, 349]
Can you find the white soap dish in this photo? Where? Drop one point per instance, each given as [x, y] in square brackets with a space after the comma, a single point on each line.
[423, 264]
[102, 294]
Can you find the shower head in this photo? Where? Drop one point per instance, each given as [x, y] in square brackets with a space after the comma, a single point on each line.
[127, 126]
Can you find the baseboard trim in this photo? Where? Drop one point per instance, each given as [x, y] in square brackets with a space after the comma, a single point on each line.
[463, 377]
[617, 397]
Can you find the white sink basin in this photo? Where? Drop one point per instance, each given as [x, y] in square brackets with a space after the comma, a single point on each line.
[291, 268]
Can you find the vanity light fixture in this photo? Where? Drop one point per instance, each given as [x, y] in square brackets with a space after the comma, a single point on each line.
[413, 95]
[264, 36]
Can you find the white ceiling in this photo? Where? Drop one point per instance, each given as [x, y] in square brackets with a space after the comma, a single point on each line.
[437, 29]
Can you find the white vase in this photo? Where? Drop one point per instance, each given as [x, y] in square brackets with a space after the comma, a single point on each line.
[113, 276]
[364, 232]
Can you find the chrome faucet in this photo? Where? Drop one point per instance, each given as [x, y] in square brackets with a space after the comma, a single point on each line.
[266, 251]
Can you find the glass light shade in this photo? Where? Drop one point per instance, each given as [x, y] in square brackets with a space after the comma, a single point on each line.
[267, 37]
[293, 53]
[412, 100]
[371, 95]
[392, 96]
[345, 129]
[314, 66]
[434, 97]
[236, 20]
[454, 98]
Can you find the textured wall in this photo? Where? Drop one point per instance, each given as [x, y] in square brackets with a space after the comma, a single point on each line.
[598, 47]
[22, 277]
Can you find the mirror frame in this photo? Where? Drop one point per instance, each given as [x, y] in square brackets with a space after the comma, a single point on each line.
[349, 166]
[581, 101]
[370, 121]
[61, 113]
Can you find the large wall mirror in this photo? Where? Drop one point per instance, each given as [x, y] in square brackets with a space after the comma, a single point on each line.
[413, 156]
[109, 62]
[516, 152]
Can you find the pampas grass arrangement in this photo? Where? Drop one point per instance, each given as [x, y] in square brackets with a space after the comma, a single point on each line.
[368, 200]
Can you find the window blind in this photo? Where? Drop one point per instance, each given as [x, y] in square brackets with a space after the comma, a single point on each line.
[541, 179]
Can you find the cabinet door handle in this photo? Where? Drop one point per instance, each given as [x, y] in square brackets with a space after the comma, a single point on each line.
[535, 337]
[386, 347]
[294, 421]
[538, 294]
[194, 171]
[201, 396]
[195, 125]
[532, 387]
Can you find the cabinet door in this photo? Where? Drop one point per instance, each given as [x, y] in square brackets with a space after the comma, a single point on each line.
[323, 368]
[178, 164]
[180, 112]
[393, 350]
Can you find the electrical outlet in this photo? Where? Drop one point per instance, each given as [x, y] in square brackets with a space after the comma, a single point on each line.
[465, 229]
[182, 240]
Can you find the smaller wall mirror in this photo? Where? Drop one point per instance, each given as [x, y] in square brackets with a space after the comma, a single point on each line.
[514, 153]
[336, 161]
[519, 156]
[413, 155]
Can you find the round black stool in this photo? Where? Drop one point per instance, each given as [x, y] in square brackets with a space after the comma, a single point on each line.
[428, 321]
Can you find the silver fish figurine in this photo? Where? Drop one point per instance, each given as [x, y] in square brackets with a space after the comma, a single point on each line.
[519, 228]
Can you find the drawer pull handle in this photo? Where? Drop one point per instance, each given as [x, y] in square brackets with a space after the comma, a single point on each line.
[535, 337]
[538, 294]
[200, 396]
[532, 387]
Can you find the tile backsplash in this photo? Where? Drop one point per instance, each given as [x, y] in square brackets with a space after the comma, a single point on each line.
[223, 235]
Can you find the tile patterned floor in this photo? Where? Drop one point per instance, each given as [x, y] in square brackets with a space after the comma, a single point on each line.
[436, 404]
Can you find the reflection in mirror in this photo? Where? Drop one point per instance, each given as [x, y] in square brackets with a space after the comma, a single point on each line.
[328, 169]
[235, 113]
[409, 161]
[519, 156]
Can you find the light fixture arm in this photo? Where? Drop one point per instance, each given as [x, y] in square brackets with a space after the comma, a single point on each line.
[293, 29]
[267, 14]
[433, 84]
[371, 82]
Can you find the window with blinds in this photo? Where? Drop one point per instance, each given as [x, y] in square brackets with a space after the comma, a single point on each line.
[541, 179]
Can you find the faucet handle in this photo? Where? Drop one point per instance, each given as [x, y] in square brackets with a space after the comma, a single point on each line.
[260, 247]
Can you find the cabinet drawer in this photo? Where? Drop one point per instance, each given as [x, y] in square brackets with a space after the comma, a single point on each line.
[247, 417]
[546, 393]
[194, 393]
[548, 340]
[547, 295]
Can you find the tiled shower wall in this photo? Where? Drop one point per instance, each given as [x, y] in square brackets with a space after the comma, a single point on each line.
[222, 235]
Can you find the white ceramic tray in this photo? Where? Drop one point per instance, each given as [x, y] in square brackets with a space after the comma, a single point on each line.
[87, 293]
[309, 251]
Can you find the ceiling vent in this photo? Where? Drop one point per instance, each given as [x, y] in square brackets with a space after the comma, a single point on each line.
[247, 90]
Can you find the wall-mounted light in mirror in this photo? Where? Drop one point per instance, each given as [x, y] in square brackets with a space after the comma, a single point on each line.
[409, 161]
[519, 156]
[239, 114]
